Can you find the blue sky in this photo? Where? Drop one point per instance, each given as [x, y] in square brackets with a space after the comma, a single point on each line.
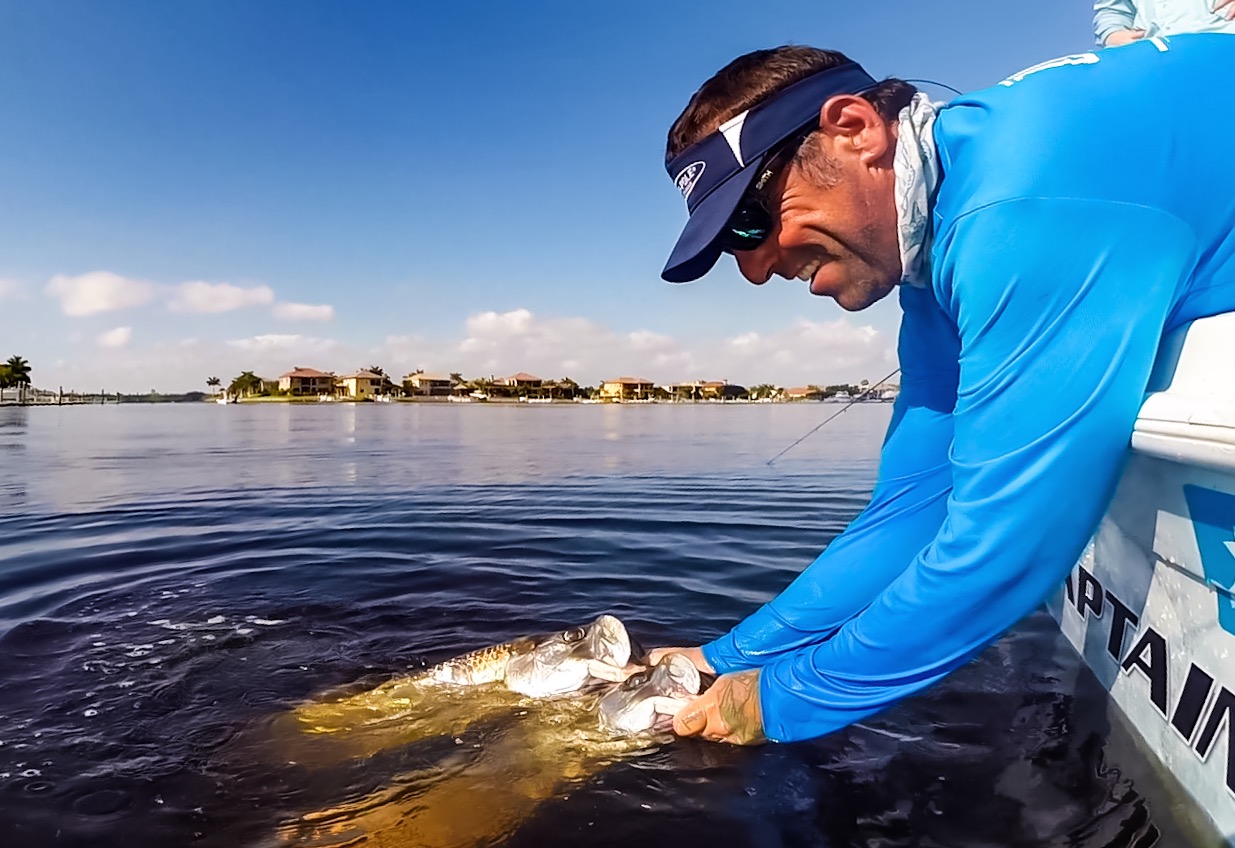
[201, 187]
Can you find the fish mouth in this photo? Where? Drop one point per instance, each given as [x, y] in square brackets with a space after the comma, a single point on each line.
[638, 705]
[676, 677]
[608, 641]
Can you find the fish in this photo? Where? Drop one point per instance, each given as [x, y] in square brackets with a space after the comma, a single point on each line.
[544, 666]
[514, 766]
[647, 701]
[446, 698]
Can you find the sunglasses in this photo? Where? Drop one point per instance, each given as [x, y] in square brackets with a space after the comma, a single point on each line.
[751, 221]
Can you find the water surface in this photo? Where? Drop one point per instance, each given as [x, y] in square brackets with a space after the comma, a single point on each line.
[175, 578]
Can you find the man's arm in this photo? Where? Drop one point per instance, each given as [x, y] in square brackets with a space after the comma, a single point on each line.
[905, 512]
[1114, 16]
[1060, 306]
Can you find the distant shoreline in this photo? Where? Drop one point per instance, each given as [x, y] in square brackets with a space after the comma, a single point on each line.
[138, 400]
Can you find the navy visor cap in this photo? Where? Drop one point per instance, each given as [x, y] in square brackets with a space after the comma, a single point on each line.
[715, 172]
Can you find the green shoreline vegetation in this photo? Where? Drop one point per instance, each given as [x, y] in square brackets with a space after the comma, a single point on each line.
[306, 385]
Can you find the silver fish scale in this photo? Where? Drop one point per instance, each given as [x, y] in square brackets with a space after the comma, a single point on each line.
[484, 665]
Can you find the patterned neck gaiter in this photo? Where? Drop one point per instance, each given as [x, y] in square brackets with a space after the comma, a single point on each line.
[916, 167]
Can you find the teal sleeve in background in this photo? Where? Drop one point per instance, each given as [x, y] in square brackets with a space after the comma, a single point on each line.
[1111, 16]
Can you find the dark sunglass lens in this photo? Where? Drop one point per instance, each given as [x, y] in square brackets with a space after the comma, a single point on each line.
[746, 228]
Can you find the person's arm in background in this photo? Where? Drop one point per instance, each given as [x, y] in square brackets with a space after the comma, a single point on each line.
[1114, 22]
[904, 514]
[1060, 306]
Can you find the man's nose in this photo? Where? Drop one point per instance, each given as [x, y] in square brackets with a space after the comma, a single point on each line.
[756, 265]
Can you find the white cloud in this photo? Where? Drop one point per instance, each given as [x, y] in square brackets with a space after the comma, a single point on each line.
[118, 337]
[837, 347]
[303, 312]
[98, 291]
[282, 341]
[218, 297]
[803, 352]
[491, 343]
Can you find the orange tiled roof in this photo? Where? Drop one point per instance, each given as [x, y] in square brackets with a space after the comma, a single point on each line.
[305, 372]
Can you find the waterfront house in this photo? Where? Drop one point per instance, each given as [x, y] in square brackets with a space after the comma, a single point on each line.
[626, 388]
[427, 384]
[565, 388]
[721, 390]
[804, 393]
[307, 381]
[361, 385]
[522, 380]
[705, 390]
[692, 390]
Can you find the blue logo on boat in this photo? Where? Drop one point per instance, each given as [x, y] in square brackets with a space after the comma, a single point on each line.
[1213, 519]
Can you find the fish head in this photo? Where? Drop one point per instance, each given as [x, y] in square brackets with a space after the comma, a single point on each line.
[646, 702]
[559, 664]
[606, 640]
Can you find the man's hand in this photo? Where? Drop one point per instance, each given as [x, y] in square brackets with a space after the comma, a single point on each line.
[1120, 37]
[1225, 8]
[728, 712]
[695, 655]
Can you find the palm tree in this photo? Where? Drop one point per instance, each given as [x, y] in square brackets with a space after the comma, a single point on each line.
[18, 375]
[568, 387]
[246, 384]
[214, 383]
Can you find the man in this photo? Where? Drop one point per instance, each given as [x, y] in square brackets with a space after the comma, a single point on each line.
[1120, 22]
[1043, 234]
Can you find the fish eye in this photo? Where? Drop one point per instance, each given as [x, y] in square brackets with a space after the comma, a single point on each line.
[637, 679]
[575, 635]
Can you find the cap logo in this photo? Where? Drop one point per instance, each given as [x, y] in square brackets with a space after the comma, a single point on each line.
[688, 177]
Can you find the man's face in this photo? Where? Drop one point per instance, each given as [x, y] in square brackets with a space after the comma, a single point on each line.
[834, 218]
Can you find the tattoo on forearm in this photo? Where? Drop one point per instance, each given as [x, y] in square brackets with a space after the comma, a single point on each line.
[739, 707]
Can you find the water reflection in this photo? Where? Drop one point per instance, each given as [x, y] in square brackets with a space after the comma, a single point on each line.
[174, 579]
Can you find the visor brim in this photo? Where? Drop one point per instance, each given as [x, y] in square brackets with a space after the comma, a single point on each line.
[697, 250]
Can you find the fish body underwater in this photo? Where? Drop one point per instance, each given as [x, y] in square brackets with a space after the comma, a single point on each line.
[448, 697]
[547, 746]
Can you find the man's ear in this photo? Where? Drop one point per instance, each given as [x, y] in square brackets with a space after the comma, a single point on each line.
[854, 125]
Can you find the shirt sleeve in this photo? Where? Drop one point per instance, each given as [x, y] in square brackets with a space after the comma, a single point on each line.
[1112, 15]
[1059, 305]
[904, 514]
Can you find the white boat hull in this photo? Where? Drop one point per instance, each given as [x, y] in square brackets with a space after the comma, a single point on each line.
[1150, 604]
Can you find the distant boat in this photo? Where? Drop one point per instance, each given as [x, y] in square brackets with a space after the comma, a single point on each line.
[225, 398]
[479, 395]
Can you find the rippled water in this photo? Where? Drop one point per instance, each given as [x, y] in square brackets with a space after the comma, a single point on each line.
[174, 579]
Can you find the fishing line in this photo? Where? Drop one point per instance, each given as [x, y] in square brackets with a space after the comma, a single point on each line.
[936, 82]
[844, 408]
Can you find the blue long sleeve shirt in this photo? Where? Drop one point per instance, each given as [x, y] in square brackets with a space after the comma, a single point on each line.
[1024, 365]
[1157, 17]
